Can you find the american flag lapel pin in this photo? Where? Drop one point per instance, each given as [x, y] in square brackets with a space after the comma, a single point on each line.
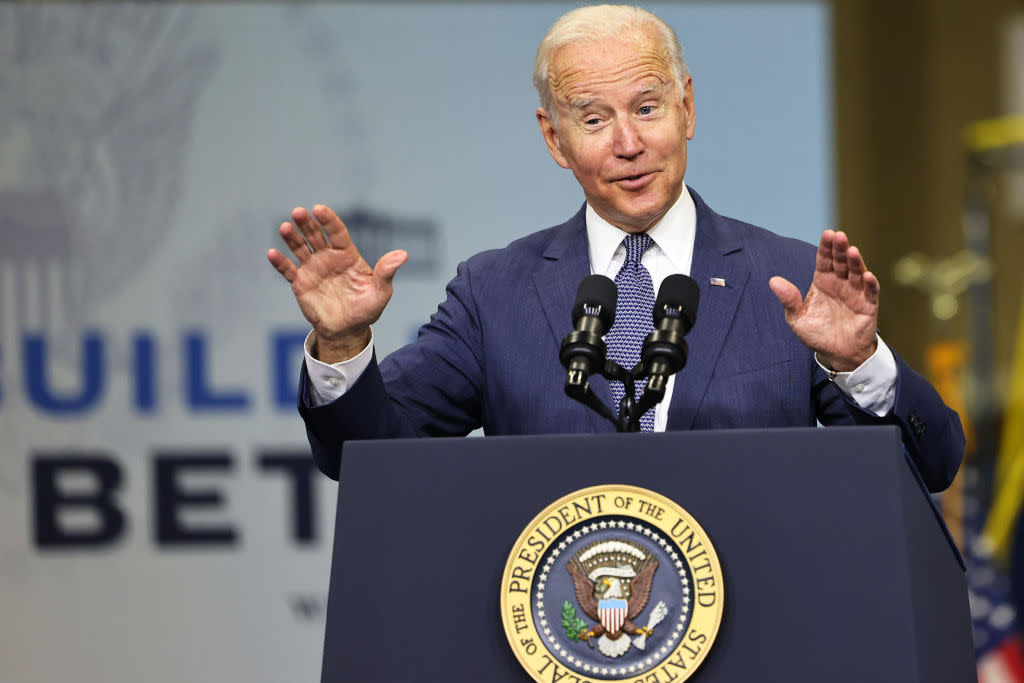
[718, 281]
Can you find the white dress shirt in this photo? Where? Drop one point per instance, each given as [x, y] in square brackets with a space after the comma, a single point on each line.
[872, 386]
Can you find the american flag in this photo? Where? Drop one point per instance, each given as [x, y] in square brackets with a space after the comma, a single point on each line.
[998, 644]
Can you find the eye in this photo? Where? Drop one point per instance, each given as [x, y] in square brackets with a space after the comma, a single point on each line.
[646, 109]
[592, 121]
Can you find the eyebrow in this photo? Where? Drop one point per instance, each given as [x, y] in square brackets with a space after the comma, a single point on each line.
[651, 88]
[580, 102]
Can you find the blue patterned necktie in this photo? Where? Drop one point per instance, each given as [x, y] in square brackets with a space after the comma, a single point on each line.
[633, 321]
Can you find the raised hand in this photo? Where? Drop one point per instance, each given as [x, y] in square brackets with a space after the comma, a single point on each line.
[336, 289]
[839, 316]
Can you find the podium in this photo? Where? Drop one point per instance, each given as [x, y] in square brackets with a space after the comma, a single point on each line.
[836, 566]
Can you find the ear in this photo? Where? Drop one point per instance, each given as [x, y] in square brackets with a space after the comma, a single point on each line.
[551, 139]
[688, 107]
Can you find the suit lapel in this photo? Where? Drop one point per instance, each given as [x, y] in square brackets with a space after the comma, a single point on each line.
[566, 263]
[715, 255]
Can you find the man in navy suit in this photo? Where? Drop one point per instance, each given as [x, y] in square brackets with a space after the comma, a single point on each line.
[617, 109]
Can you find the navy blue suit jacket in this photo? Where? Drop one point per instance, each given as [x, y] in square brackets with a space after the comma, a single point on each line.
[489, 355]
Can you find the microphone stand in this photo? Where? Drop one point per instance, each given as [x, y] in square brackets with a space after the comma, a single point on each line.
[663, 353]
[654, 392]
[630, 409]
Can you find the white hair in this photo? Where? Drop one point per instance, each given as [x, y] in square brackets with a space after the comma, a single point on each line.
[603, 22]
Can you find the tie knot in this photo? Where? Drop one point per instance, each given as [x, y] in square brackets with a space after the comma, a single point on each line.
[636, 245]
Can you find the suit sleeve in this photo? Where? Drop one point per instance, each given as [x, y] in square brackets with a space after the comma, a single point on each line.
[932, 435]
[431, 387]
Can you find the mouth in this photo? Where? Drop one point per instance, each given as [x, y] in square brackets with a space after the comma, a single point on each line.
[634, 182]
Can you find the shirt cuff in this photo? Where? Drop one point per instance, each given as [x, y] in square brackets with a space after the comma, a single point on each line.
[329, 382]
[872, 385]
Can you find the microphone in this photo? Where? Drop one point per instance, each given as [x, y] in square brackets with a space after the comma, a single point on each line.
[664, 351]
[583, 351]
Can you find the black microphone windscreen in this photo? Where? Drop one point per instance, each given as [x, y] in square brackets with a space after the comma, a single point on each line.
[678, 291]
[597, 293]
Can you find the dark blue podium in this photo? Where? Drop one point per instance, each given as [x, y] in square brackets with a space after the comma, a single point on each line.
[836, 566]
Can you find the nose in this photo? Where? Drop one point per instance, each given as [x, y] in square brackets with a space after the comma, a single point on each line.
[627, 142]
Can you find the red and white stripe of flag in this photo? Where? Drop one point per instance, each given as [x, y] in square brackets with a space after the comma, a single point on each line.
[612, 614]
[1004, 664]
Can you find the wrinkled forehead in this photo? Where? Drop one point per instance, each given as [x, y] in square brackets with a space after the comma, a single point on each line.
[583, 70]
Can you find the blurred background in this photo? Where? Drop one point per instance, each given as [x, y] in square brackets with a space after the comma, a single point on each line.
[160, 517]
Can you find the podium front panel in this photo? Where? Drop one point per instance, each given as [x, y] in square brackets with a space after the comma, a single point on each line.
[835, 566]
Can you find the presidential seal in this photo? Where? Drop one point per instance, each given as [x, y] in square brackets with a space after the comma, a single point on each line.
[612, 583]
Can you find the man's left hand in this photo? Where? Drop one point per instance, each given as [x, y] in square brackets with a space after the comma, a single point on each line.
[839, 316]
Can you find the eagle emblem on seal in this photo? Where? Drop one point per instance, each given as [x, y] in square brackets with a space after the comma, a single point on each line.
[612, 579]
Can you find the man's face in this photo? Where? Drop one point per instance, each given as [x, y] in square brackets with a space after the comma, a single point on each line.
[622, 127]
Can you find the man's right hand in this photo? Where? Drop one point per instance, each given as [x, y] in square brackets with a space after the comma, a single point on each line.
[337, 291]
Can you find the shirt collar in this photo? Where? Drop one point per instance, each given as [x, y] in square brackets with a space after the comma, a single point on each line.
[673, 234]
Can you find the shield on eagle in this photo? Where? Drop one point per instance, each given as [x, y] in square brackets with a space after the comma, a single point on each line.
[612, 614]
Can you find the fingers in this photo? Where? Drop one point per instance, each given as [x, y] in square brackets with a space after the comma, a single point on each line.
[823, 259]
[310, 228]
[283, 264]
[787, 293]
[837, 255]
[860, 278]
[871, 287]
[389, 264]
[840, 262]
[306, 232]
[313, 227]
[333, 226]
[295, 242]
[855, 267]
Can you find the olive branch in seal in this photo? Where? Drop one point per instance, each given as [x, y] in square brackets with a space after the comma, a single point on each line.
[572, 624]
